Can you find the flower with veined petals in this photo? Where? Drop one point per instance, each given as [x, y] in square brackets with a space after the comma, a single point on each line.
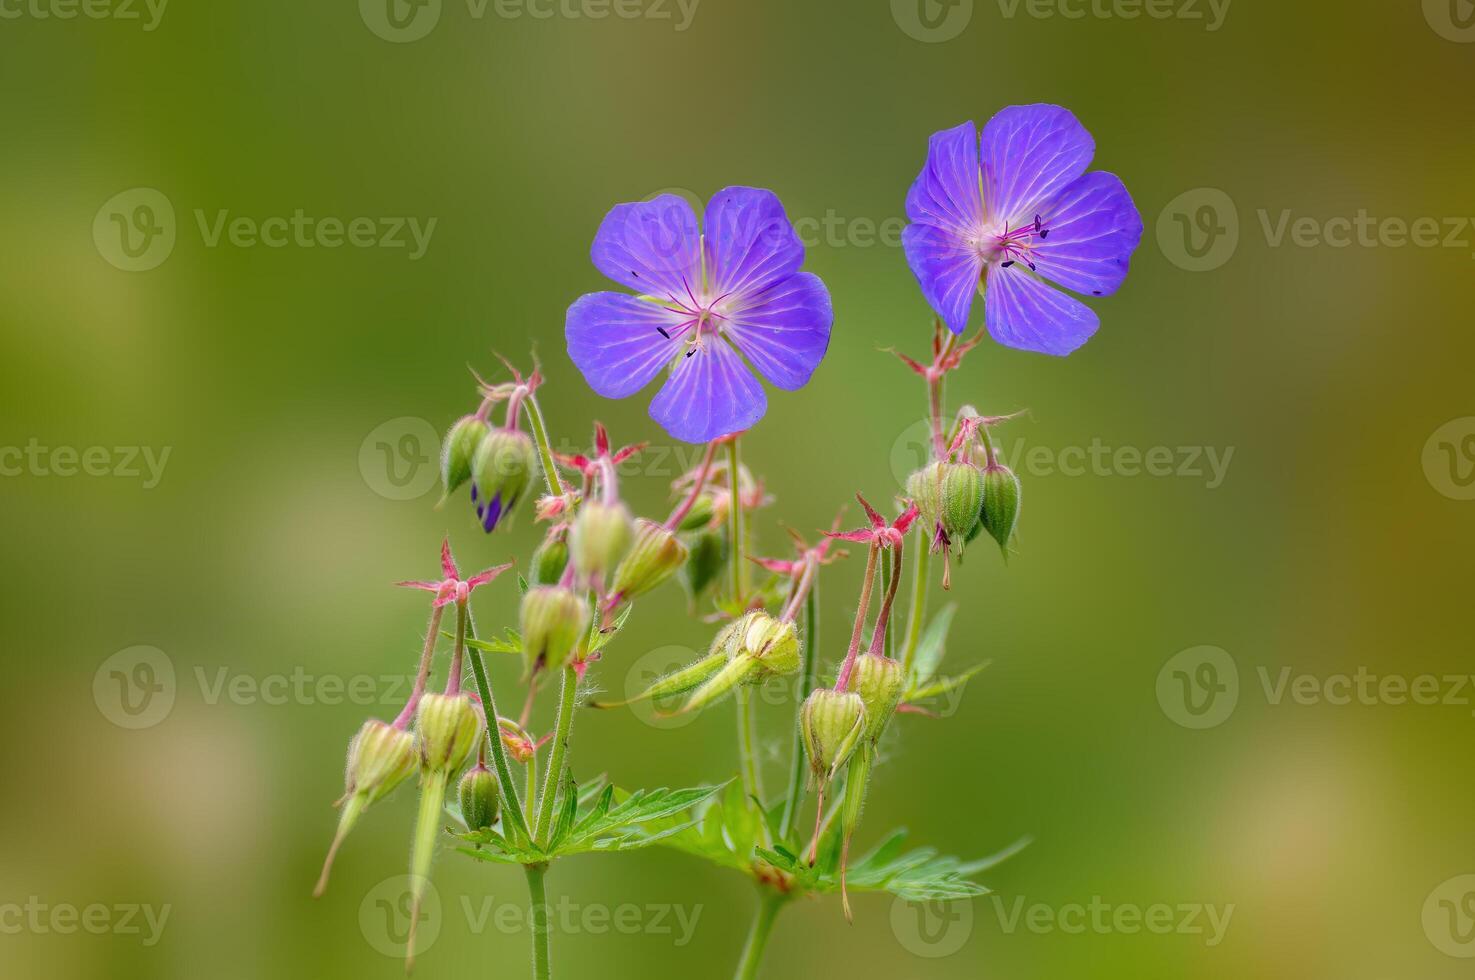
[706, 303]
[453, 588]
[1001, 213]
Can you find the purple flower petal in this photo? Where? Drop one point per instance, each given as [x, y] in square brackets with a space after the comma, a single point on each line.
[1025, 313]
[651, 246]
[710, 394]
[1094, 227]
[947, 269]
[750, 243]
[616, 342]
[784, 331]
[946, 192]
[1030, 154]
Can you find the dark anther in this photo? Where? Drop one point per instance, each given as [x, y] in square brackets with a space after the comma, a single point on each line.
[662, 332]
[1007, 264]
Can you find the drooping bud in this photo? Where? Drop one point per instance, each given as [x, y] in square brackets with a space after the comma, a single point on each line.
[554, 621]
[449, 725]
[705, 563]
[1000, 512]
[702, 511]
[949, 494]
[654, 557]
[756, 647]
[551, 558]
[599, 538]
[879, 681]
[832, 722]
[504, 465]
[380, 757]
[458, 450]
[857, 780]
[680, 681]
[480, 798]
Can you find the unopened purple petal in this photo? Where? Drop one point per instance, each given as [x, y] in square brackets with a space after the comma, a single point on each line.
[651, 246]
[946, 192]
[1093, 229]
[947, 269]
[1030, 154]
[488, 513]
[1026, 313]
[710, 394]
[785, 330]
[616, 341]
[750, 243]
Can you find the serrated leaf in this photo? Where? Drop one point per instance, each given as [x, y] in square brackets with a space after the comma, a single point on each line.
[511, 643]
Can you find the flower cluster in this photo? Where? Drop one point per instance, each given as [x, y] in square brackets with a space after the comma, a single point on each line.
[716, 305]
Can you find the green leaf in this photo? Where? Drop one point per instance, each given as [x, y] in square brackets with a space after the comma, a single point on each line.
[512, 643]
[931, 646]
[598, 638]
[942, 685]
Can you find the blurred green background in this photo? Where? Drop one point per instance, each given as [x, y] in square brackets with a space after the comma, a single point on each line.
[1338, 537]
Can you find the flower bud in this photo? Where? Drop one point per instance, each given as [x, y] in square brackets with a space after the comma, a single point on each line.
[1000, 512]
[950, 494]
[599, 538]
[749, 650]
[705, 563]
[501, 470]
[703, 510]
[550, 559]
[479, 798]
[554, 621]
[831, 723]
[379, 759]
[458, 450]
[879, 682]
[449, 725]
[654, 557]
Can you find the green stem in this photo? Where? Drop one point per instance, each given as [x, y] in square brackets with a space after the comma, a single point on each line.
[554, 773]
[538, 918]
[512, 805]
[747, 746]
[809, 670]
[888, 572]
[919, 604]
[769, 906]
[545, 452]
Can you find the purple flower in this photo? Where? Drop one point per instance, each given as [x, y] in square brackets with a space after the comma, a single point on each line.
[1003, 214]
[706, 303]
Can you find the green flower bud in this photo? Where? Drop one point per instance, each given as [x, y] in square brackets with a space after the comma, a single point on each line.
[479, 798]
[700, 515]
[501, 470]
[688, 678]
[654, 557]
[831, 723]
[458, 450]
[599, 538]
[449, 725]
[949, 494]
[749, 650]
[705, 563]
[554, 622]
[879, 682]
[550, 559]
[380, 757]
[1000, 512]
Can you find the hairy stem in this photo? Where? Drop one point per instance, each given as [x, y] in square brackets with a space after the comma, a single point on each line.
[545, 451]
[554, 773]
[511, 801]
[538, 918]
[808, 672]
[843, 681]
[432, 633]
[919, 604]
[769, 906]
[735, 521]
[748, 746]
[699, 483]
